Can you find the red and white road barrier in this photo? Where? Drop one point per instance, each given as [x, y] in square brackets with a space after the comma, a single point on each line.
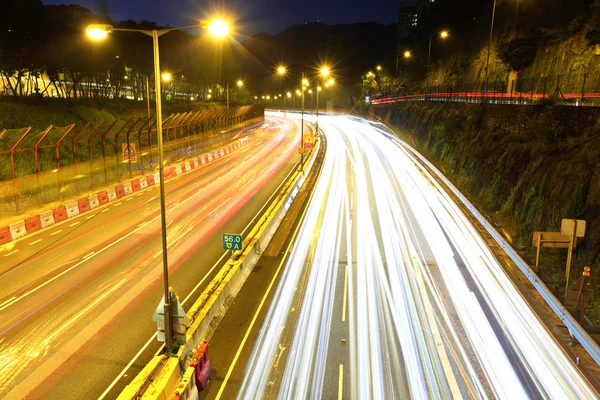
[61, 213]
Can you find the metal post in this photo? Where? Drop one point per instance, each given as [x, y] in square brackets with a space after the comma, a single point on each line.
[487, 63]
[317, 122]
[428, 66]
[148, 96]
[228, 96]
[163, 217]
[537, 254]
[572, 243]
[302, 124]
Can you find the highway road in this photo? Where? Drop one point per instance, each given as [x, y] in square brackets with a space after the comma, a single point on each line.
[389, 291]
[77, 299]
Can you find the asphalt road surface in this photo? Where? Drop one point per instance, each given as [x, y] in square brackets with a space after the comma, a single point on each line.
[387, 290]
[77, 300]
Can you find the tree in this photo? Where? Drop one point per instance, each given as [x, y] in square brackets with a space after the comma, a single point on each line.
[517, 54]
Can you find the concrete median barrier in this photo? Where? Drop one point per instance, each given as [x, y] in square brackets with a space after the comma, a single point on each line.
[207, 312]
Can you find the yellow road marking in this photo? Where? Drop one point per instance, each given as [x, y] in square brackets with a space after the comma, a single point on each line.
[75, 223]
[341, 382]
[11, 253]
[35, 242]
[56, 233]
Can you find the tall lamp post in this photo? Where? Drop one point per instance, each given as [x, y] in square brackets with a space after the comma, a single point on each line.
[239, 84]
[487, 61]
[443, 36]
[217, 28]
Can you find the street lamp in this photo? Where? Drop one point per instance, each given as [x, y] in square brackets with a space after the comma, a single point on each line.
[99, 32]
[443, 35]
[239, 84]
[487, 61]
[324, 73]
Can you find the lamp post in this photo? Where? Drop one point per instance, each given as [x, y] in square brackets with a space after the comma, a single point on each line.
[443, 36]
[99, 32]
[487, 62]
[239, 84]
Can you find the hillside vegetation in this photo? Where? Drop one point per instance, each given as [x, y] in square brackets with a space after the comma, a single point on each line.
[527, 167]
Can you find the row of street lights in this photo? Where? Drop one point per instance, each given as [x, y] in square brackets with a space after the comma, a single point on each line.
[217, 28]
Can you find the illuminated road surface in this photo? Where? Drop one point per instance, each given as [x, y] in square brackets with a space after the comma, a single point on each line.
[402, 298]
[64, 289]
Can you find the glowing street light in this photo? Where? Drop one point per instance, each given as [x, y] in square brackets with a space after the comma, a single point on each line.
[240, 83]
[325, 71]
[444, 34]
[407, 54]
[378, 68]
[100, 32]
[218, 28]
[166, 77]
[281, 70]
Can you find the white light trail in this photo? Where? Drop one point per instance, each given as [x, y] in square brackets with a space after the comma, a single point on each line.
[431, 312]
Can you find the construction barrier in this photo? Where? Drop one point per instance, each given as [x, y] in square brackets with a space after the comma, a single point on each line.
[103, 197]
[47, 218]
[150, 180]
[127, 188]
[112, 194]
[94, 202]
[135, 185]
[17, 230]
[5, 235]
[60, 213]
[33, 224]
[72, 209]
[201, 365]
[186, 389]
[83, 205]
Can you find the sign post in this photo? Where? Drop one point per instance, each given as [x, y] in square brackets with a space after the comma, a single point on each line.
[573, 228]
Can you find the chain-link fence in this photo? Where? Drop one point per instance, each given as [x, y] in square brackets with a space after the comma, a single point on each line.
[41, 167]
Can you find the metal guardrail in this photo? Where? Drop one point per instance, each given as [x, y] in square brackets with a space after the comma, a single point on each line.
[575, 329]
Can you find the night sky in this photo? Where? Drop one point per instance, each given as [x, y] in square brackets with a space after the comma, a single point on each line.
[252, 16]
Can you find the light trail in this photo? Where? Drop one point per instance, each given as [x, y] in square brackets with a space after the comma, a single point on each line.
[430, 313]
[62, 297]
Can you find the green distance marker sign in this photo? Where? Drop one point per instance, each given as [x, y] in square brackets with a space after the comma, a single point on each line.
[232, 241]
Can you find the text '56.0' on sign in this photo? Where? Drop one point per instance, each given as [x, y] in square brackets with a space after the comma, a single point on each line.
[232, 241]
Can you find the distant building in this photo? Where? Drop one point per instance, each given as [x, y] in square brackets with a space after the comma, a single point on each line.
[408, 20]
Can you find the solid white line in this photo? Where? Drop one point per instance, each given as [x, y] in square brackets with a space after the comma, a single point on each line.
[11, 253]
[56, 233]
[35, 242]
[341, 382]
[345, 294]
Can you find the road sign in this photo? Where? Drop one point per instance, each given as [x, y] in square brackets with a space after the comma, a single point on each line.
[129, 152]
[573, 227]
[309, 141]
[232, 241]
[551, 239]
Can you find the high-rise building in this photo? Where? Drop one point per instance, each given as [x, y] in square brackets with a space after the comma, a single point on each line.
[408, 20]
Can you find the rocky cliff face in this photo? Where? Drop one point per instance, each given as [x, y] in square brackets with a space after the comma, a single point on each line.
[527, 166]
